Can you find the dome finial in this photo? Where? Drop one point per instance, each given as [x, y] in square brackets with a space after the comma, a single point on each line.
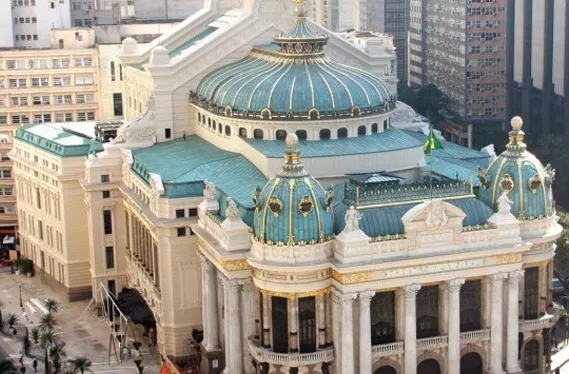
[292, 141]
[516, 145]
[299, 7]
[517, 122]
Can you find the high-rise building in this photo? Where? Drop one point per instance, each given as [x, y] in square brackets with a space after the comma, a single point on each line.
[460, 46]
[327, 13]
[538, 62]
[389, 17]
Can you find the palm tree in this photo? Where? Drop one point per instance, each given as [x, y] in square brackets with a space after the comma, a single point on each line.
[12, 320]
[80, 364]
[47, 322]
[7, 367]
[50, 305]
[56, 354]
[35, 333]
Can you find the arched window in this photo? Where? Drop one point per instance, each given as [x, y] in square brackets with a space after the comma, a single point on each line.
[199, 117]
[228, 130]
[219, 128]
[325, 134]
[280, 324]
[281, 134]
[307, 324]
[209, 122]
[214, 124]
[342, 133]
[531, 293]
[531, 355]
[362, 131]
[385, 124]
[301, 134]
[383, 318]
[242, 132]
[374, 128]
[258, 134]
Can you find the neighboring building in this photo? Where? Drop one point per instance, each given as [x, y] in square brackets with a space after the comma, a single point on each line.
[48, 165]
[327, 13]
[192, 208]
[388, 17]
[538, 62]
[128, 11]
[461, 48]
[32, 20]
[83, 13]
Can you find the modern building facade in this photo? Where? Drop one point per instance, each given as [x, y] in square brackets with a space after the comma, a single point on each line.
[326, 13]
[461, 48]
[388, 17]
[537, 63]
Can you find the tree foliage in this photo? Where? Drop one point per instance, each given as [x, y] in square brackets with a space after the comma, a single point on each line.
[427, 100]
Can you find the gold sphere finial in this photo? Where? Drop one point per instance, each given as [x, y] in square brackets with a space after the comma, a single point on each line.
[517, 123]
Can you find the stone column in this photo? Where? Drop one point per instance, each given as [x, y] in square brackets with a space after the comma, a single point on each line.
[454, 324]
[496, 328]
[293, 324]
[226, 322]
[399, 315]
[411, 328]
[542, 289]
[512, 365]
[321, 319]
[233, 316]
[266, 321]
[247, 322]
[365, 332]
[347, 333]
[329, 320]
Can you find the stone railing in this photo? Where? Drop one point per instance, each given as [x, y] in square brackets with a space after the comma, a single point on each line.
[536, 371]
[433, 342]
[536, 324]
[387, 349]
[475, 336]
[290, 359]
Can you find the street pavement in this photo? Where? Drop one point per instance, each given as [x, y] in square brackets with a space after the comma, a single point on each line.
[78, 326]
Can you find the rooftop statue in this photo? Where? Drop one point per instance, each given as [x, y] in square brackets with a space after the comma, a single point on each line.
[504, 204]
[352, 218]
[232, 212]
[209, 192]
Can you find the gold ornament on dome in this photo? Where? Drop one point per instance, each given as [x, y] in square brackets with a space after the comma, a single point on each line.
[275, 206]
[305, 206]
[507, 183]
[483, 179]
[534, 183]
[234, 265]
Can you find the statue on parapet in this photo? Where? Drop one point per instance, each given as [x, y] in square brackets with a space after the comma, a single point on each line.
[232, 212]
[352, 219]
[504, 204]
[209, 192]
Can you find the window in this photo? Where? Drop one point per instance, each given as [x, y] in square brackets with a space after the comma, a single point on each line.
[42, 118]
[106, 194]
[258, 134]
[34, 20]
[531, 293]
[62, 81]
[78, 23]
[111, 286]
[40, 229]
[228, 130]
[342, 133]
[60, 62]
[20, 119]
[325, 134]
[280, 324]
[40, 82]
[193, 212]
[117, 104]
[361, 131]
[6, 191]
[107, 222]
[120, 72]
[181, 231]
[19, 100]
[39, 63]
[112, 71]
[78, 37]
[35, 36]
[17, 82]
[110, 257]
[16, 64]
[180, 213]
[307, 324]
[302, 135]
[105, 178]
[83, 80]
[85, 116]
[242, 132]
[61, 44]
[374, 128]
[83, 61]
[3, 119]
[167, 133]
[27, 19]
[63, 117]
[40, 100]
[84, 98]
[63, 99]
[281, 135]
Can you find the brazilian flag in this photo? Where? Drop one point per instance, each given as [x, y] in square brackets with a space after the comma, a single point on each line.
[432, 143]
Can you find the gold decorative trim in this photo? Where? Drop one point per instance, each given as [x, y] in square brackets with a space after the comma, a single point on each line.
[296, 295]
[504, 259]
[306, 206]
[534, 183]
[361, 207]
[351, 277]
[233, 265]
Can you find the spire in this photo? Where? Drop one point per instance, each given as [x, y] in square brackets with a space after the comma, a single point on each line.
[293, 166]
[516, 145]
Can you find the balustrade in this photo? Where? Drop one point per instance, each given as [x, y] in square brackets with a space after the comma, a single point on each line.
[475, 336]
[432, 342]
[387, 349]
[290, 359]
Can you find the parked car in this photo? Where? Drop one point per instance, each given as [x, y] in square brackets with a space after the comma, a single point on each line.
[558, 289]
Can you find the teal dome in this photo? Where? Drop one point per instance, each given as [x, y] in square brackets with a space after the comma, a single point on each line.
[292, 78]
[293, 208]
[522, 176]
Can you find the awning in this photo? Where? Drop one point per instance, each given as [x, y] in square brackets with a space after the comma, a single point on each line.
[8, 240]
[132, 304]
[7, 231]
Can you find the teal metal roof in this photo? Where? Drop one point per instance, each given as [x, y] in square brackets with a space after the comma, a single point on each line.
[453, 168]
[453, 150]
[390, 140]
[56, 140]
[193, 40]
[300, 31]
[183, 165]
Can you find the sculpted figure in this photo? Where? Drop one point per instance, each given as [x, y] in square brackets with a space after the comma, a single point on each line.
[209, 192]
[352, 218]
[504, 204]
[232, 211]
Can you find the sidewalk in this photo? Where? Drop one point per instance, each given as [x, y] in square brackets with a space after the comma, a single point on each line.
[88, 336]
[559, 358]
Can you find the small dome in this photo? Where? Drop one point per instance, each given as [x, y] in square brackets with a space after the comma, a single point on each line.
[520, 174]
[293, 208]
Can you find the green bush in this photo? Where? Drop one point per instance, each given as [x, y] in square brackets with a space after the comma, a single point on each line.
[26, 266]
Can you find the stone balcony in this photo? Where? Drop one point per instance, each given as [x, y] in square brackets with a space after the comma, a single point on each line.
[388, 349]
[433, 342]
[290, 359]
[543, 322]
[475, 336]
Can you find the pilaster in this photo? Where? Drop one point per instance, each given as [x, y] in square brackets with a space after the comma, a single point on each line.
[454, 324]
[365, 332]
[512, 365]
[411, 328]
[496, 326]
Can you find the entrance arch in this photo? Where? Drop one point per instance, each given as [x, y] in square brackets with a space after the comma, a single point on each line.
[471, 363]
[429, 366]
[385, 370]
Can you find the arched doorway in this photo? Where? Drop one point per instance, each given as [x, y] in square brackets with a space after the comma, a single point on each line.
[531, 355]
[471, 363]
[429, 366]
[385, 370]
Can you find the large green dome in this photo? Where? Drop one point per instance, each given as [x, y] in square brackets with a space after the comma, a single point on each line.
[522, 176]
[292, 78]
[293, 208]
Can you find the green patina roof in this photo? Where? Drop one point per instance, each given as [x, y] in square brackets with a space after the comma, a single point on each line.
[390, 140]
[183, 165]
[56, 140]
[193, 40]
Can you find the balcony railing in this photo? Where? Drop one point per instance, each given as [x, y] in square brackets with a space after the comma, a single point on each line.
[475, 336]
[432, 342]
[536, 324]
[290, 359]
[387, 349]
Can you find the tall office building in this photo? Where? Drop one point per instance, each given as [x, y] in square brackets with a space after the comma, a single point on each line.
[327, 13]
[460, 46]
[389, 17]
[538, 62]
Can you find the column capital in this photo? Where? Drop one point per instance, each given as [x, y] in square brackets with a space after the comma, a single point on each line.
[498, 277]
[366, 296]
[347, 298]
[411, 290]
[515, 276]
[247, 285]
[454, 285]
[231, 284]
[204, 261]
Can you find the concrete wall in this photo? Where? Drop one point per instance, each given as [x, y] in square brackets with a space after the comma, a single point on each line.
[7, 34]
